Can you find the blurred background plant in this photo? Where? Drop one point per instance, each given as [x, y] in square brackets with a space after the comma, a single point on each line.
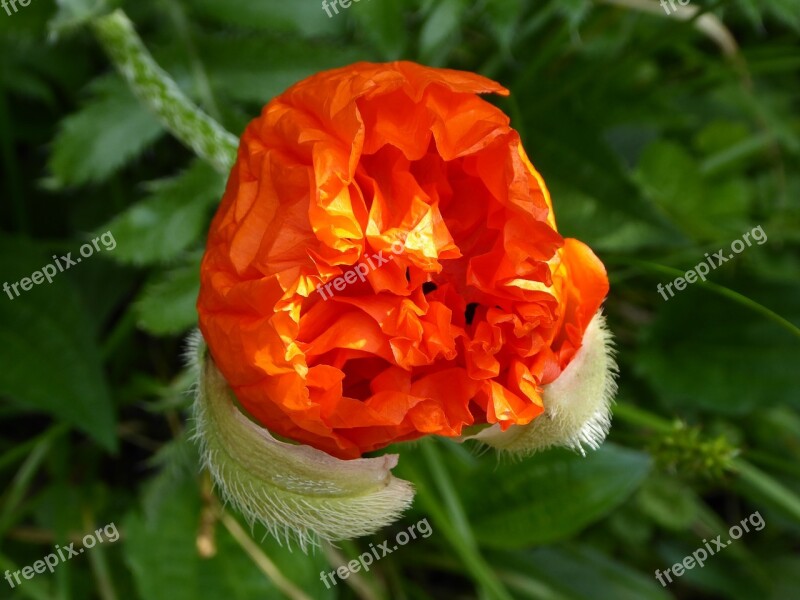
[660, 141]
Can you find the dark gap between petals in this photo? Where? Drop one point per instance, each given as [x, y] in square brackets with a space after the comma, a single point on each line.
[469, 314]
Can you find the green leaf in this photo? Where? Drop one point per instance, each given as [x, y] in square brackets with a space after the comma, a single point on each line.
[256, 69]
[306, 18]
[707, 209]
[573, 149]
[575, 12]
[720, 135]
[170, 220]
[550, 496]
[30, 20]
[759, 359]
[382, 22]
[440, 32]
[166, 306]
[160, 549]
[504, 17]
[668, 502]
[750, 9]
[35, 590]
[785, 577]
[24, 80]
[786, 11]
[601, 227]
[582, 573]
[678, 196]
[109, 131]
[51, 361]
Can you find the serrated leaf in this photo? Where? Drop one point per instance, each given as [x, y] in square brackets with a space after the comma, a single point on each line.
[166, 306]
[110, 130]
[171, 219]
[51, 361]
[552, 495]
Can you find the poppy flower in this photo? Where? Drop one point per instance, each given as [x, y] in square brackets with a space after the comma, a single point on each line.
[385, 265]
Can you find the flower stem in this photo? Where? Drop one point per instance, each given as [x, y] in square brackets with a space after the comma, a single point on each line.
[261, 560]
[456, 528]
[758, 481]
[99, 562]
[642, 418]
[156, 89]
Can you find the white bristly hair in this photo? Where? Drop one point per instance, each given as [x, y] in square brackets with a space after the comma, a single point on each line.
[295, 491]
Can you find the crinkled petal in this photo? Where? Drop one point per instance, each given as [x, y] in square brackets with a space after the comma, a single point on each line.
[577, 405]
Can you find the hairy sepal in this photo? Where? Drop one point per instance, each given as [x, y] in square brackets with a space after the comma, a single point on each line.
[296, 492]
[577, 405]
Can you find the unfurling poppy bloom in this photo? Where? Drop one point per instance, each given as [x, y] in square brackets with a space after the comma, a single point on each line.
[385, 265]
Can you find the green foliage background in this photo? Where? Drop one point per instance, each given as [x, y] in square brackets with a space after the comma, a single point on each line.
[657, 148]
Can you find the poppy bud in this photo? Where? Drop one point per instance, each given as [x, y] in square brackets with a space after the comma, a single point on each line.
[385, 265]
[296, 492]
